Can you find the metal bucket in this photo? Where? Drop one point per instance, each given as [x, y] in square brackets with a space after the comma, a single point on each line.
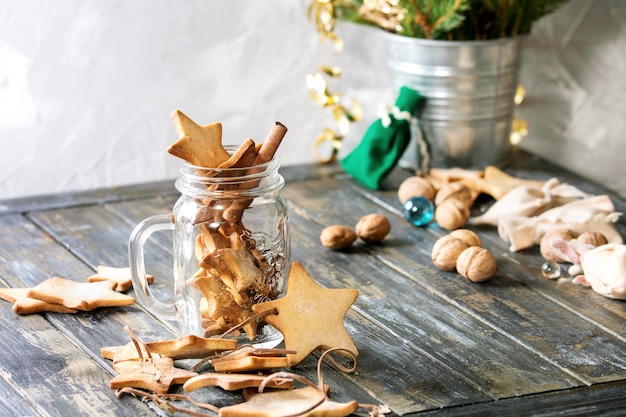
[469, 87]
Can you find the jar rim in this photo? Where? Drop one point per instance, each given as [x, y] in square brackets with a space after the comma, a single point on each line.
[249, 180]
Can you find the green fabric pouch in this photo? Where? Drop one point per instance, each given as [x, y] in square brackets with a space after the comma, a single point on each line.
[383, 143]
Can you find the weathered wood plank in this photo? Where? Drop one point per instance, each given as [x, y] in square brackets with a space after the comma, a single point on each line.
[29, 256]
[432, 326]
[78, 228]
[88, 197]
[383, 380]
[446, 342]
[396, 375]
[56, 377]
[134, 211]
[87, 331]
[99, 237]
[40, 362]
[11, 401]
[526, 265]
[508, 305]
[606, 400]
[135, 191]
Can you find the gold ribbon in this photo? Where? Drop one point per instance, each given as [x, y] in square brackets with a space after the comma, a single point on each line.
[519, 127]
[323, 14]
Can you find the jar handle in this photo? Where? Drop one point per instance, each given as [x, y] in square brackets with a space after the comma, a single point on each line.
[136, 243]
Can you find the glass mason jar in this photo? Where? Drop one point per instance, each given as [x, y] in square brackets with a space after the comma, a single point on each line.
[231, 250]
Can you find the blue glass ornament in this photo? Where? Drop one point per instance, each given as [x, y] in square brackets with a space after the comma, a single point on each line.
[418, 211]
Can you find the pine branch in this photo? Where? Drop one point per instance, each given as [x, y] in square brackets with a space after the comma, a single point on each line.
[456, 19]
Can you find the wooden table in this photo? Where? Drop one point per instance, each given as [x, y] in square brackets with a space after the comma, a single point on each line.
[430, 342]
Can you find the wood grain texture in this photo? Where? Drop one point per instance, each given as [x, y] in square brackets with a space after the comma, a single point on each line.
[430, 342]
[11, 401]
[390, 373]
[606, 400]
[606, 312]
[510, 307]
[108, 227]
[98, 196]
[56, 376]
[492, 361]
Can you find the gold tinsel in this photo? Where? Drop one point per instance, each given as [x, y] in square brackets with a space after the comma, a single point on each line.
[384, 13]
[323, 15]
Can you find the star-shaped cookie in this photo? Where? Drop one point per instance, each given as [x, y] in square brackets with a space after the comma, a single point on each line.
[309, 316]
[196, 144]
[83, 296]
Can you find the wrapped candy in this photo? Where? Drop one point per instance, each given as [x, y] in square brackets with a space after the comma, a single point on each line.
[603, 268]
[595, 213]
[529, 201]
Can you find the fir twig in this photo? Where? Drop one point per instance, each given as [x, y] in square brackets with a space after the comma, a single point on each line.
[449, 13]
[456, 19]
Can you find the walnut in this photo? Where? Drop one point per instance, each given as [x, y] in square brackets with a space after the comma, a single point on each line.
[593, 238]
[452, 214]
[456, 190]
[476, 264]
[337, 237]
[416, 187]
[468, 236]
[373, 228]
[545, 245]
[445, 252]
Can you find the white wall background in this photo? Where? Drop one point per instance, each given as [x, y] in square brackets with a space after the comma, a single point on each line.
[87, 86]
[574, 70]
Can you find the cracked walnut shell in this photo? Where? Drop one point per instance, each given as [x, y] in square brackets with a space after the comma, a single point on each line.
[445, 252]
[476, 264]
